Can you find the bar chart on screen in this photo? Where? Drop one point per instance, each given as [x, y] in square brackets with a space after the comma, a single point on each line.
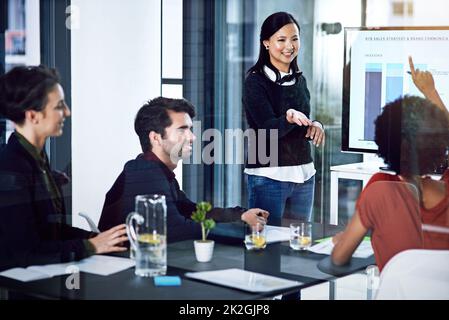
[379, 73]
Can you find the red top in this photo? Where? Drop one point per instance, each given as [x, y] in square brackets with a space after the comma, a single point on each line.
[390, 208]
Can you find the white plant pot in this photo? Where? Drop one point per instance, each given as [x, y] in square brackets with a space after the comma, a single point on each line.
[204, 250]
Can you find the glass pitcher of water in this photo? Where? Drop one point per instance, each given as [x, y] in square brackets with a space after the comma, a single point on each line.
[147, 233]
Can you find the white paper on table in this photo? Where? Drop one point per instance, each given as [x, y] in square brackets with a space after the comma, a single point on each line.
[104, 265]
[52, 270]
[243, 279]
[364, 250]
[23, 274]
[277, 234]
[101, 265]
[36, 272]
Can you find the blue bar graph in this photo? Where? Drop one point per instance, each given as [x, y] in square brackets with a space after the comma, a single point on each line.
[373, 97]
[394, 81]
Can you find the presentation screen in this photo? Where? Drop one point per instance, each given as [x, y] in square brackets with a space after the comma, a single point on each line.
[376, 72]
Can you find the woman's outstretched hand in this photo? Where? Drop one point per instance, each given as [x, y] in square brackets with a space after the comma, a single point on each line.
[294, 116]
[423, 80]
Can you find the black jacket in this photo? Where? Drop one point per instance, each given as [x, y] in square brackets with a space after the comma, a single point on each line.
[148, 175]
[265, 104]
[31, 231]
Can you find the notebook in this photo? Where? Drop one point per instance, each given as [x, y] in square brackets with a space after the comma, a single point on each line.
[364, 250]
[97, 264]
[243, 280]
[277, 234]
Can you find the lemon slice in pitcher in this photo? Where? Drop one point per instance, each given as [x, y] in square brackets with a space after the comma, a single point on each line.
[151, 238]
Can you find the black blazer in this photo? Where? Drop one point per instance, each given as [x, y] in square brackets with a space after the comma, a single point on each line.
[31, 231]
[142, 176]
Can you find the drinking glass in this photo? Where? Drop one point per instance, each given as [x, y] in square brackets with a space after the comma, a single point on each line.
[300, 235]
[256, 237]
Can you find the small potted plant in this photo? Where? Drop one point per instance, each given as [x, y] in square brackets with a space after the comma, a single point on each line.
[203, 248]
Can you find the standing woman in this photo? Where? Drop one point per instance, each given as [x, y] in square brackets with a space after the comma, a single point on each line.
[276, 97]
[32, 213]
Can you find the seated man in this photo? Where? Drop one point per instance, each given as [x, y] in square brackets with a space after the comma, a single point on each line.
[164, 129]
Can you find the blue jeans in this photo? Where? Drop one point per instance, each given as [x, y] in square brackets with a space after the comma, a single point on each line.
[278, 197]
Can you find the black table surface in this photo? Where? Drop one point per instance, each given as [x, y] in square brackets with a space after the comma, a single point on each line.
[126, 286]
[277, 259]
[326, 266]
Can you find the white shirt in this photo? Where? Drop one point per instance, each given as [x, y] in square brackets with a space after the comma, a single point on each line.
[296, 174]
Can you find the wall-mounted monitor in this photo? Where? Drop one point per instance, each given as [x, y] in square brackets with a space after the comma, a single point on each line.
[376, 73]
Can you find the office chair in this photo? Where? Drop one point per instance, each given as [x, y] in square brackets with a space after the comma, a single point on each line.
[93, 227]
[415, 274]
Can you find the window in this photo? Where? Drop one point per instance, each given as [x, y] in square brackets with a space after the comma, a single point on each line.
[20, 42]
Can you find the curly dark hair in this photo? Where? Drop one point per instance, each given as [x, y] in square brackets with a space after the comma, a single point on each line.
[153, 116]
[413, 136]
[25, 88]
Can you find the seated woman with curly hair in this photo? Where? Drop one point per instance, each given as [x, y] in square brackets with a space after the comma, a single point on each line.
[408, 209]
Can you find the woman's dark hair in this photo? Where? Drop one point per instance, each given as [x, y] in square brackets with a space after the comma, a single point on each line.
[413, 136]
[153, 116]
[25, 88]
[269, 27]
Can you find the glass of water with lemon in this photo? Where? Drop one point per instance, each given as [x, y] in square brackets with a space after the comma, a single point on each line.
[300, 235]
[256, 237]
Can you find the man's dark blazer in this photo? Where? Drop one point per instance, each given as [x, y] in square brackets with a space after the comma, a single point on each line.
[148, 175]
[31, 231]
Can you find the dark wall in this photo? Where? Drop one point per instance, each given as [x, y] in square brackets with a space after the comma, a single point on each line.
[198, 65]
[55, 53]
[3, 26]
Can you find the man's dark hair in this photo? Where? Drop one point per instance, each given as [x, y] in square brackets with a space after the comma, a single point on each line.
[25, 88]
[413, 136]
[153, 116]
[269, 27]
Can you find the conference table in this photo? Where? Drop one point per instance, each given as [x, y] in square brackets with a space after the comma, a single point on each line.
[277, 259]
